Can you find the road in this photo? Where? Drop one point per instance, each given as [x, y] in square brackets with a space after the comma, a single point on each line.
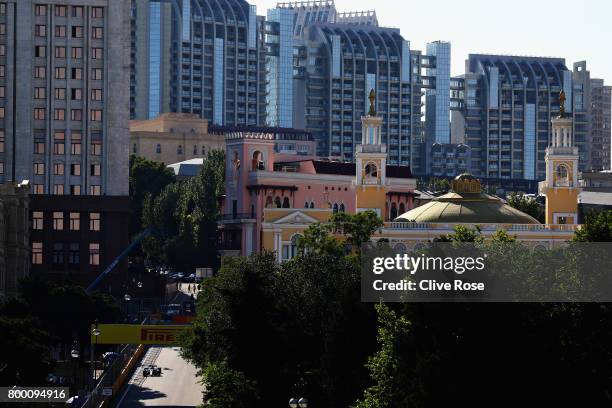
[177, 387]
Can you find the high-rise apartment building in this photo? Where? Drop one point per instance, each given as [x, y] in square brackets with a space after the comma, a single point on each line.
[600, 125]
[338, 58]
[507, 104]
[64, 126]
[201, 56]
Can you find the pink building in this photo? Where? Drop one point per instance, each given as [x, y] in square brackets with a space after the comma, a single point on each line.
[272, 168]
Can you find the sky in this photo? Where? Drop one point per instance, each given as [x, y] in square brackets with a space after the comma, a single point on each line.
[574, 30]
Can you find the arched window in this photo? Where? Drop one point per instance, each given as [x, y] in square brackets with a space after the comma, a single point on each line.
[371, 172]
[203, 150]
[290, 250]
[306, 204]
[269, 202]
[342, 207]
[312, 204]
[286, 203]
[158, 149]
[335, 208]
[277, 201]
[195, 149]
[393, 213]
[134, 150]
[179, 149]
[562, 176]
[402, 209]
[258, 163]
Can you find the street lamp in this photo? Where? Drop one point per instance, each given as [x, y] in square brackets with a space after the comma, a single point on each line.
[92, 377]
[74, 353]
[301, 403]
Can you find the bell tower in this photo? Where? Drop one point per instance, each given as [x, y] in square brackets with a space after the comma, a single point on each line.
[561, 185]
[371, 163]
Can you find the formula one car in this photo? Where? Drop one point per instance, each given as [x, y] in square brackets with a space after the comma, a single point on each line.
[152, 371]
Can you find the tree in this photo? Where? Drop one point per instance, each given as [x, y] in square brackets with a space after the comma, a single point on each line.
[227, 388]
[528, 205]
[147, 178]
[596, 228]
[390, 382]
[183, 218]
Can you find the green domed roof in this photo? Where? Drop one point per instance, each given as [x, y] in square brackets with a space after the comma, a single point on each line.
[466, 204]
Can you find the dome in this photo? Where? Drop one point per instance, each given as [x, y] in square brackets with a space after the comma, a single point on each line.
[466, 204]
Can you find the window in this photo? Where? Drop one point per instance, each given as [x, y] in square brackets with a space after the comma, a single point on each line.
[96, 94]
[2, 71]
[39, 169]
[94, 221]
[3, 50]
[37, 220]
[203, 150]
[58, 189]
[97, 12]
[60, 52]
[291, 250]
[2, 112]
[74, 257]
[39, 93]
[179, 149]
[76, 94]
[96, 148]
[58, 221]
[158, 149]
[96, 74]
[96, 53]
[75, 190]
[96, 115]
[40, 51]
[2, 29]
[2, 140]
[39, 113]
[75, 221]
[2, 92]
[58, 253]
[58, 169]
[77, 73]
[77, 52]
[60, 31]
[94, 254]
[59, 114]
[77, 32]
[97, 33]
[75, 169]
[60, 72]
[2, 8]
[95, 190]
[40, 10]
[40, 72]
[1, 167]
[61, 11]
[134, 148]
[76, 115]
[37, 253]
[39, 189]
[75, 145]
[40, 30]
[77, 11]
[96, 170]
[58, 143]
[60, 94]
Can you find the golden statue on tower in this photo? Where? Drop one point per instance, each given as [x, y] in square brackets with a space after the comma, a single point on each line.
[372, 99]
[562, 104]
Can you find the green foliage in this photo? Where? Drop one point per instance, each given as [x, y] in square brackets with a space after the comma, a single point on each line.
[356, 230]
[227, 388]
[437, 185]
[389, 379]
[462, 234]
[183, 217]
[597, 228]
[528, 205]
[147, 178]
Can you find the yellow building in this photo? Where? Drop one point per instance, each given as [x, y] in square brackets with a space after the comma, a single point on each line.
[173, 137]
[464, 205]
[561, 186]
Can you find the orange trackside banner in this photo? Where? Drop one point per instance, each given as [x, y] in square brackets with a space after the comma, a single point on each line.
[137, 334]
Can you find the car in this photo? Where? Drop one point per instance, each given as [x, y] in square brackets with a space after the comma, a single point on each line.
[151, 371]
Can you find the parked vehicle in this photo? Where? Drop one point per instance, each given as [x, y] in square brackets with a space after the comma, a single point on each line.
[151, 371]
